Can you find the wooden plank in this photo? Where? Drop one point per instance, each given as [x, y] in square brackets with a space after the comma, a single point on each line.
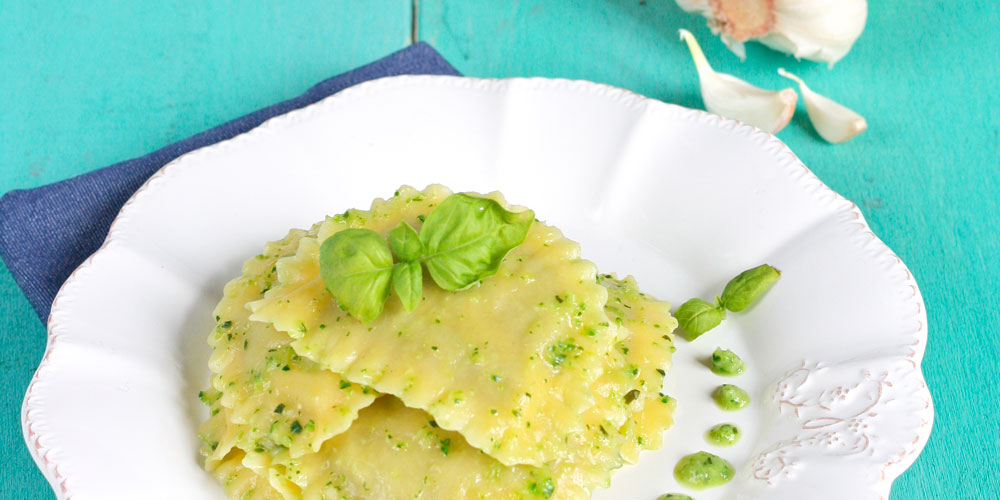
[90, 83]
[86, 84]
[926, 174]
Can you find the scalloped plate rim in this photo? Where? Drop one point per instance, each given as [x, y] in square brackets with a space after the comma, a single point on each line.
[50, 468]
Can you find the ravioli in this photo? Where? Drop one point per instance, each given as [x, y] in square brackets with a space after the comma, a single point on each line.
[277, 401]
[242, 483]
[507, 363]
[217, 436]
[226, 461]
[631, 412]
[648, 353]
[537, 382]
[392, 451]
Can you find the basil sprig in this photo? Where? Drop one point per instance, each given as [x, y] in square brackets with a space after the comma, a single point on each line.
[697, 316]
[466, 238]
[462, 241]
[356, 264]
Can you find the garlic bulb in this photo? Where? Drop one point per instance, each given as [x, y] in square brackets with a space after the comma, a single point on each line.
[818, 30]
[834, 122]
[734, 98]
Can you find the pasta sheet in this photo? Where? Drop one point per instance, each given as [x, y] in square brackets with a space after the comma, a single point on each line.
[507, 363]
[537, 383]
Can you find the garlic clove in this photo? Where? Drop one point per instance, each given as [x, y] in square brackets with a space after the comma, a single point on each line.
[733, 98]
[833, 121]
[818, 30]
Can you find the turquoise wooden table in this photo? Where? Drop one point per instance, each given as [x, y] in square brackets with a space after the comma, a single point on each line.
[104, 81]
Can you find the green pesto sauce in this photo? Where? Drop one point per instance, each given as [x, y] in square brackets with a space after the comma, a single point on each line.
[673, 496]
[543, 488]
[730, 398]
[727, 363]
[724, 435]
[703, 470]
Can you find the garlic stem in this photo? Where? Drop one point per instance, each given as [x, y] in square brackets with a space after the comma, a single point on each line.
[833, 121]
[733, 98]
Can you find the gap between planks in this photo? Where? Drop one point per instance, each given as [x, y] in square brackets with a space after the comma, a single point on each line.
[415, 21]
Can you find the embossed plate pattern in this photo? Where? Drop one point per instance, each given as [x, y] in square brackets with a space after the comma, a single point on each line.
[679, 198]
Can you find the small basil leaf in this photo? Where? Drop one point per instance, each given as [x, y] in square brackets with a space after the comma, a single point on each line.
[356, 266]
[744, 289]
[697, 317]
[466, 238]
[408, 281]
[405, 242]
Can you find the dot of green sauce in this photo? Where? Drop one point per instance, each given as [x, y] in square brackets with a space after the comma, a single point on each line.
[727, 363]
[544, 488]
[673, 496]
[703, 470]
[730, 398]
[724, 435]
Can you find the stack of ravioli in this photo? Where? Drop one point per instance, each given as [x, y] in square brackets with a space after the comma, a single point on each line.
[538, 382]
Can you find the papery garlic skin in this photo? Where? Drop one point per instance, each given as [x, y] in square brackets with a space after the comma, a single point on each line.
[733, 98]
[818, 30]
[833, 121]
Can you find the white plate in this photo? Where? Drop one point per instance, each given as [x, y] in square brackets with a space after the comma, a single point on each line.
[679, 198]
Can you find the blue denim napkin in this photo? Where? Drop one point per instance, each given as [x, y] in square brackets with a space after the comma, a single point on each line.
[46, 232]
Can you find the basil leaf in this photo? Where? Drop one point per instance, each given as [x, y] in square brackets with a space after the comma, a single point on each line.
[697, 317]
[408, 281]
[465, 239]
[744, 289]
[405, 242]
[356, 266]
